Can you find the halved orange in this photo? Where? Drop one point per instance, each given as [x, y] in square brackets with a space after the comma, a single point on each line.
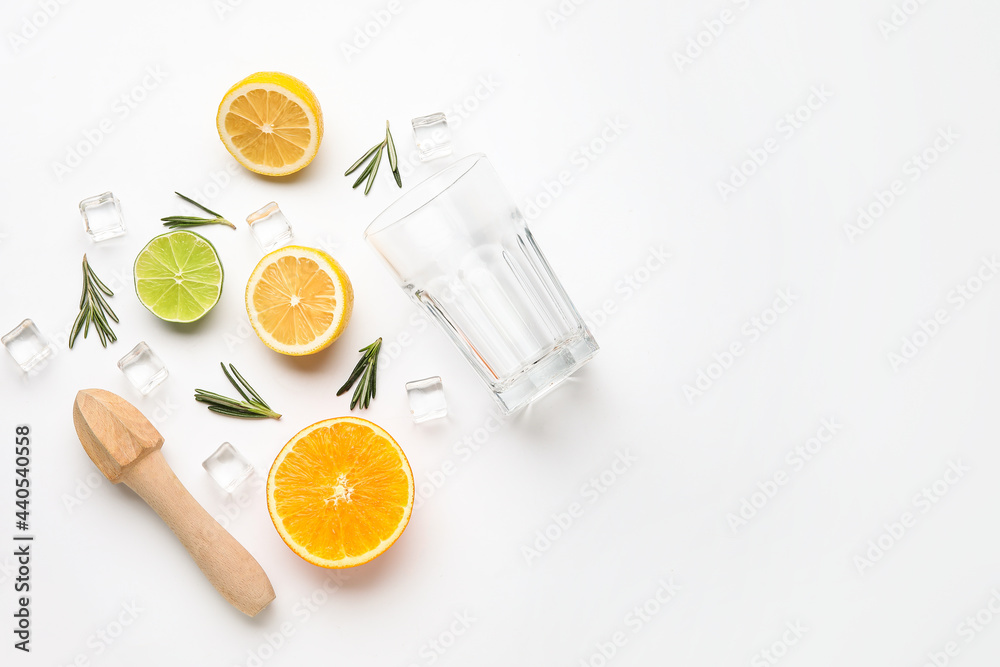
[340, 492]
[271, 123]
[299, 300]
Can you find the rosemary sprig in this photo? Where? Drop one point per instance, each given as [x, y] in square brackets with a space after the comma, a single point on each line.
[93, 309]
[254, 407]
[374, 157]
[366, 370]
[185, 221]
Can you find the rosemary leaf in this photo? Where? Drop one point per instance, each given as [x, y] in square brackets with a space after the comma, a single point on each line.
[77, 326]
[358, 396]
[390, 148]
[371, 177]
[184, 222]
[97, 281]
[211, 397]
[204, 208]
[393, 160]
[236, 384]
[358, 370]
[364, 174]
[246, 385]
[106, 309]
[239, 414]
[102, 326]
[83, 292]
[363, 158]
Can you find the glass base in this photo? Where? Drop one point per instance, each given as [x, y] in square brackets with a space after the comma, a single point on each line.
[546, 373]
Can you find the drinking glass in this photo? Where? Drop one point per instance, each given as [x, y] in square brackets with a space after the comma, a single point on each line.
[459, 246]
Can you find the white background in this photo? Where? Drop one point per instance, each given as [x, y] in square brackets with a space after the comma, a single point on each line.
[556, 86]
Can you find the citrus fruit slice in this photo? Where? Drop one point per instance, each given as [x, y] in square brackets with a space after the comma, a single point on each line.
[178, 276]
[271, 123]
[340, 492]
[298, 300]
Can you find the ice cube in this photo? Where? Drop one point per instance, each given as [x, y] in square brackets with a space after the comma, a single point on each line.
[228, 467]
[432, 136]
[270, 227]
[143, 368]
[27, 345]
[102, 217]
[426, 399]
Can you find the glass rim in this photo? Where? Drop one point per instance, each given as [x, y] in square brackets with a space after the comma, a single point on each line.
[417, 197]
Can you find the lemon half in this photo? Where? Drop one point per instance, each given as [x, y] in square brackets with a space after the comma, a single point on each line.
[271, 123]
[299, 300]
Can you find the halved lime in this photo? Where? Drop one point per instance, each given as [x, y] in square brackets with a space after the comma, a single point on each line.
[178, 276]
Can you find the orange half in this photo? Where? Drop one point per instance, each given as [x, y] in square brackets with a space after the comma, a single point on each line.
[340, 492]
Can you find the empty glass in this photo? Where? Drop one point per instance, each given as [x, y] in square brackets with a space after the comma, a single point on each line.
[459, 246]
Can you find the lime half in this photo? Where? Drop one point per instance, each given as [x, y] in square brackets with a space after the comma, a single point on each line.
[178, 276]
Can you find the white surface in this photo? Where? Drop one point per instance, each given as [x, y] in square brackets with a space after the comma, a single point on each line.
[679, 133]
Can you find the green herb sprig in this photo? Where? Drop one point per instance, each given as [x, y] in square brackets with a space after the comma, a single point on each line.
[366, 369]
[185, 221]
[374, 158]
[253, 407]
[93, 309]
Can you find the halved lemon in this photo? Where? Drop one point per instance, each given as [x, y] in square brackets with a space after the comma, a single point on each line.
[271, 123]
[340, 492]
[299, 300]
